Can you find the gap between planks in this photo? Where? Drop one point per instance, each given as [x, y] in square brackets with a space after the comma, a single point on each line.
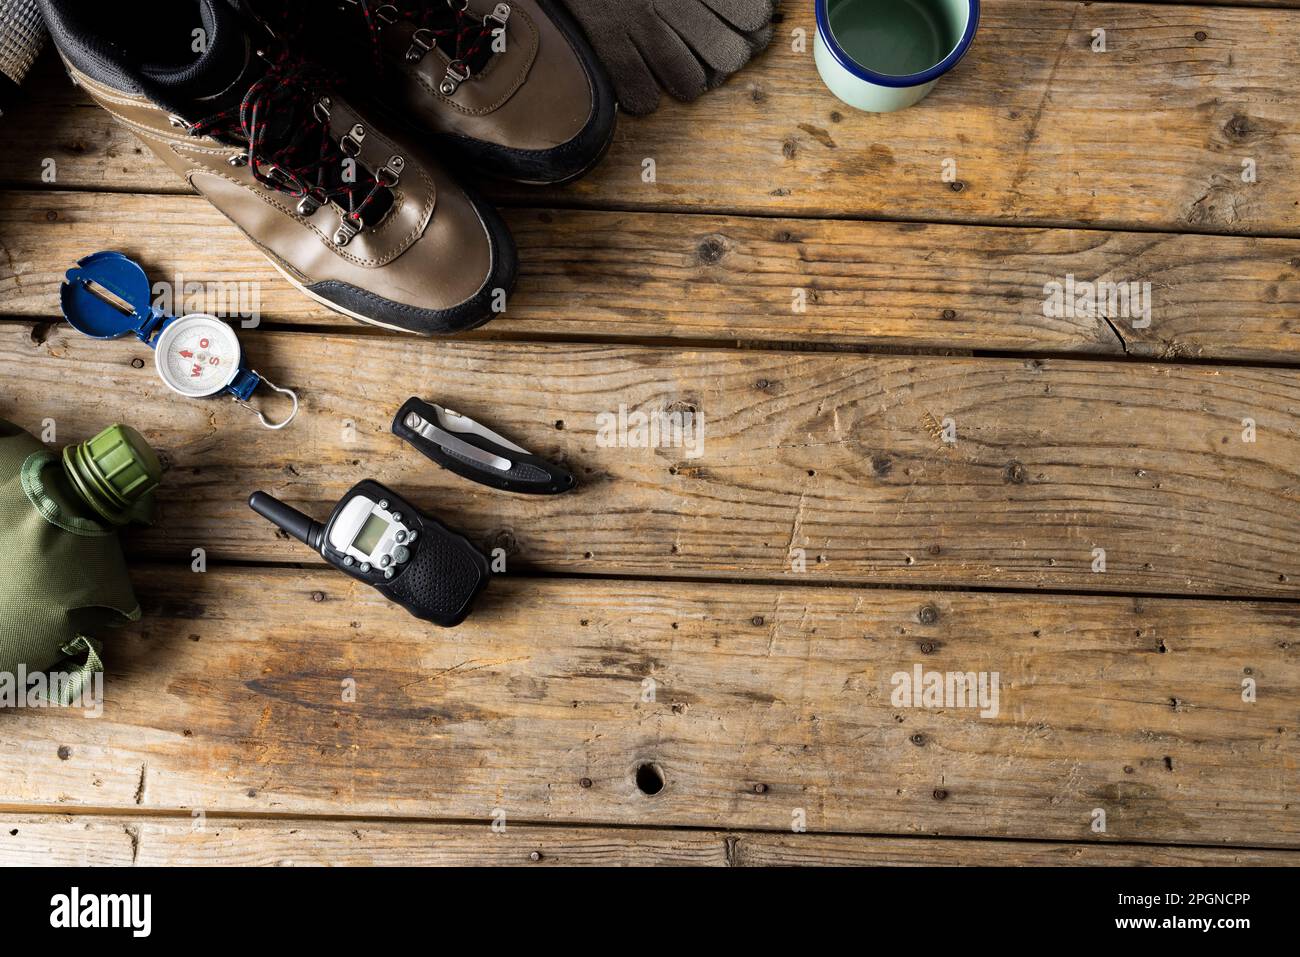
[565, 203]
[640, 844]
[510, 337]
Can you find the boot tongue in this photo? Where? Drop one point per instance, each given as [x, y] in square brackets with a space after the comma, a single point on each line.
[215, 66]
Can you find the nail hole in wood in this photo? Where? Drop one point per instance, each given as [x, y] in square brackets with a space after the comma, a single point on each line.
[649, 778]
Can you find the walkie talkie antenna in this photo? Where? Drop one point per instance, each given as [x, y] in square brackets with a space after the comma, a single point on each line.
[288, 518]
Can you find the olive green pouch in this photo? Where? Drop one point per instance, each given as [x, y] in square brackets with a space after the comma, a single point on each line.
[63, 576]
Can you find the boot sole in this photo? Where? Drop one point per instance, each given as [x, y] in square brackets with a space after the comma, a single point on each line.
[505, 257]
[335, 307]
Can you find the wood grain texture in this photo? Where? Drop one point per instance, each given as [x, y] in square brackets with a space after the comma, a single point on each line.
[725, 278]
[842, 457]
[764, 701]
[757, 703]
[772, 850]
[152, 841]
[1223, 3]
[1150, 134]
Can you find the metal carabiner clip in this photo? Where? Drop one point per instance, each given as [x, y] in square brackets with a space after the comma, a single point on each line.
[293, 396]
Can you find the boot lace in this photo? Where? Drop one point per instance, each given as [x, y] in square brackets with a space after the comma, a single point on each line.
[283, 124]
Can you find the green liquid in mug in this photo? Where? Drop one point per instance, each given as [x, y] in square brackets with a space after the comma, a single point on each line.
[898, 37]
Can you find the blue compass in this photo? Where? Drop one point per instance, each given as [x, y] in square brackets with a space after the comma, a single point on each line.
[107, 296]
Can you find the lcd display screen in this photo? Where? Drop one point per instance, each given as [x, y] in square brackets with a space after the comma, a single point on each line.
[371, 534]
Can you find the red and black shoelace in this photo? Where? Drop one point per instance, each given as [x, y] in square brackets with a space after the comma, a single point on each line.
[289, 144]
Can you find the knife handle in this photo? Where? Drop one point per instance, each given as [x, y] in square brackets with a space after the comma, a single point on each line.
[526, 473]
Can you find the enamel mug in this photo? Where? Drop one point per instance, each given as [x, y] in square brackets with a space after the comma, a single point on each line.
[884, 55]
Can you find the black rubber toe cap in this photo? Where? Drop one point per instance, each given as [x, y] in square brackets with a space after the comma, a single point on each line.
[470, 314]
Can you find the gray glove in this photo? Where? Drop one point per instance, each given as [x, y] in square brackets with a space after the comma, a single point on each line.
[685, 46]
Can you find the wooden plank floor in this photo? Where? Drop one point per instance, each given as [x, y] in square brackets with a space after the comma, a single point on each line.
[729, 623]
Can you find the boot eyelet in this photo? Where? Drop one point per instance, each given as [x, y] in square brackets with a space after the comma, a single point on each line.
[457, 73]
[391, 172]
[352, 140]
[239, 159]
[348, 230]
[283, 180]
[422, 41]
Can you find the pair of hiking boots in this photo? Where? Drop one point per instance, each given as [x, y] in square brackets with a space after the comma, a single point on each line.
[324, 128]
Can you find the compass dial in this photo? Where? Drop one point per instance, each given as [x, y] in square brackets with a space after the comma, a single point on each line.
[198, 356]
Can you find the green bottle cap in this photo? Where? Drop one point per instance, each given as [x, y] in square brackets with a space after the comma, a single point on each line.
[113, 471]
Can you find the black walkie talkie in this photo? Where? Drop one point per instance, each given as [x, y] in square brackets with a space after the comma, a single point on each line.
[377, 537]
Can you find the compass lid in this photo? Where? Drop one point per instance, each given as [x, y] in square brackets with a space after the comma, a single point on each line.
[106, 296]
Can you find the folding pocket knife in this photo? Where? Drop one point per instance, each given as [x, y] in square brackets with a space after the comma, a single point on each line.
[473, 451]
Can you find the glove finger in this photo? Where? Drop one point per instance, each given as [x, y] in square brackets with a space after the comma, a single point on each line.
[759, 40]
[721, 48]
[744, 15]
[714, 79]
[672, 61]
[634, 82]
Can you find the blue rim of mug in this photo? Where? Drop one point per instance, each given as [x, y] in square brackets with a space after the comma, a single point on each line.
[886, 79]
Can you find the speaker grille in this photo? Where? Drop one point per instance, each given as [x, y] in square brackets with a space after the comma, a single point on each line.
[442, 577]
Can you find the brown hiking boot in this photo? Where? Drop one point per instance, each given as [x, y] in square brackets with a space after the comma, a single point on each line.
[512, 85]
[351, 214]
